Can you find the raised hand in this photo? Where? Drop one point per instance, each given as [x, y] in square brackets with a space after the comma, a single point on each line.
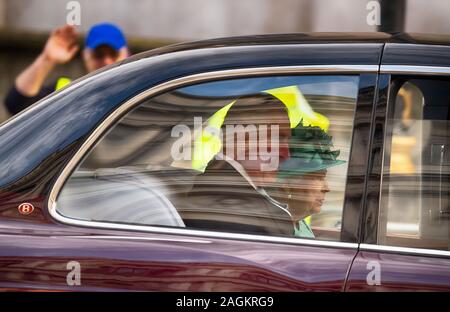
[62, 45]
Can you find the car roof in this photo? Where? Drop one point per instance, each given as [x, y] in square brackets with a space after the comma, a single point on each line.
[301, 38]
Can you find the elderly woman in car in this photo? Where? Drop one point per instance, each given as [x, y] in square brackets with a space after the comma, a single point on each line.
[302, 178]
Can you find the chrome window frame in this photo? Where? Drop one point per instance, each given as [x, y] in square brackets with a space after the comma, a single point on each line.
[408, 251]
[439, 71]
[415, 70]
[177, 83]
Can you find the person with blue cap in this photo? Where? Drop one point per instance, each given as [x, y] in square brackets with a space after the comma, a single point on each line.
[105, 44]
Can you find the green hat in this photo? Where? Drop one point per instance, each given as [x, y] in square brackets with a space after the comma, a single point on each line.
[310, 149]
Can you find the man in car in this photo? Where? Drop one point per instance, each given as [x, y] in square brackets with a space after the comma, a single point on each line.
[231, 190]
[105, 44]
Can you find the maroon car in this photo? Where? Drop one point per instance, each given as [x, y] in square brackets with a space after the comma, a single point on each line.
[122, 180]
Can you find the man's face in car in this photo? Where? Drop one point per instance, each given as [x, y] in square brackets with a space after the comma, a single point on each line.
[260, 146]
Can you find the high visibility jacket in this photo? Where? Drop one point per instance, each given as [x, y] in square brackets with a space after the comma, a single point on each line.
[62, 82]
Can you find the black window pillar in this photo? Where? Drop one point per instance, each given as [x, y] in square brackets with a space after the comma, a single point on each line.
[392, 15]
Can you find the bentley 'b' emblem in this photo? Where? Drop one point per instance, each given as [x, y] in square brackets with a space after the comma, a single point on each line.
[26, 208]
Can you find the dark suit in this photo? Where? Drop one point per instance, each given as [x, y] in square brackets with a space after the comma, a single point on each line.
[221, 199]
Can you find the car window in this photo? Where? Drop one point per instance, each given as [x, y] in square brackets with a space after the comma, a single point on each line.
[415, 208]
[266, 155]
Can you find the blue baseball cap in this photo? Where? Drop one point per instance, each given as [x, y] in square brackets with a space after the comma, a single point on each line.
[105, 33]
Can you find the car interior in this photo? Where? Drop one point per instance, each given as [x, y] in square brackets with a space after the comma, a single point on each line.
[415, 207]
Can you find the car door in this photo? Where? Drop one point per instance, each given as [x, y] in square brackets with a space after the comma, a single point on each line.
[122, 214]
[406, 236]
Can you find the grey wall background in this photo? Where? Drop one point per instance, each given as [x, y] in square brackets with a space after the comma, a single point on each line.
[195, 19]
[25, 24]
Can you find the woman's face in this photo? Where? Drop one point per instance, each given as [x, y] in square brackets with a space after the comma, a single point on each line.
[306, 193]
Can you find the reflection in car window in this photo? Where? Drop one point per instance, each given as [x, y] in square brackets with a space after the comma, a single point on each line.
[415, 207]
[265, 155]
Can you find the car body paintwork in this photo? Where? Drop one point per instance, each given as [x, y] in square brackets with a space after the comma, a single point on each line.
[399, 272]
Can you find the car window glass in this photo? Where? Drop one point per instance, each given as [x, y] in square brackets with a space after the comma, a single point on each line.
[415, 210]
[266, 155]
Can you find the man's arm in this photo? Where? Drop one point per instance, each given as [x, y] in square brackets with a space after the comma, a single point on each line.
[30, 81]
[60, 47]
